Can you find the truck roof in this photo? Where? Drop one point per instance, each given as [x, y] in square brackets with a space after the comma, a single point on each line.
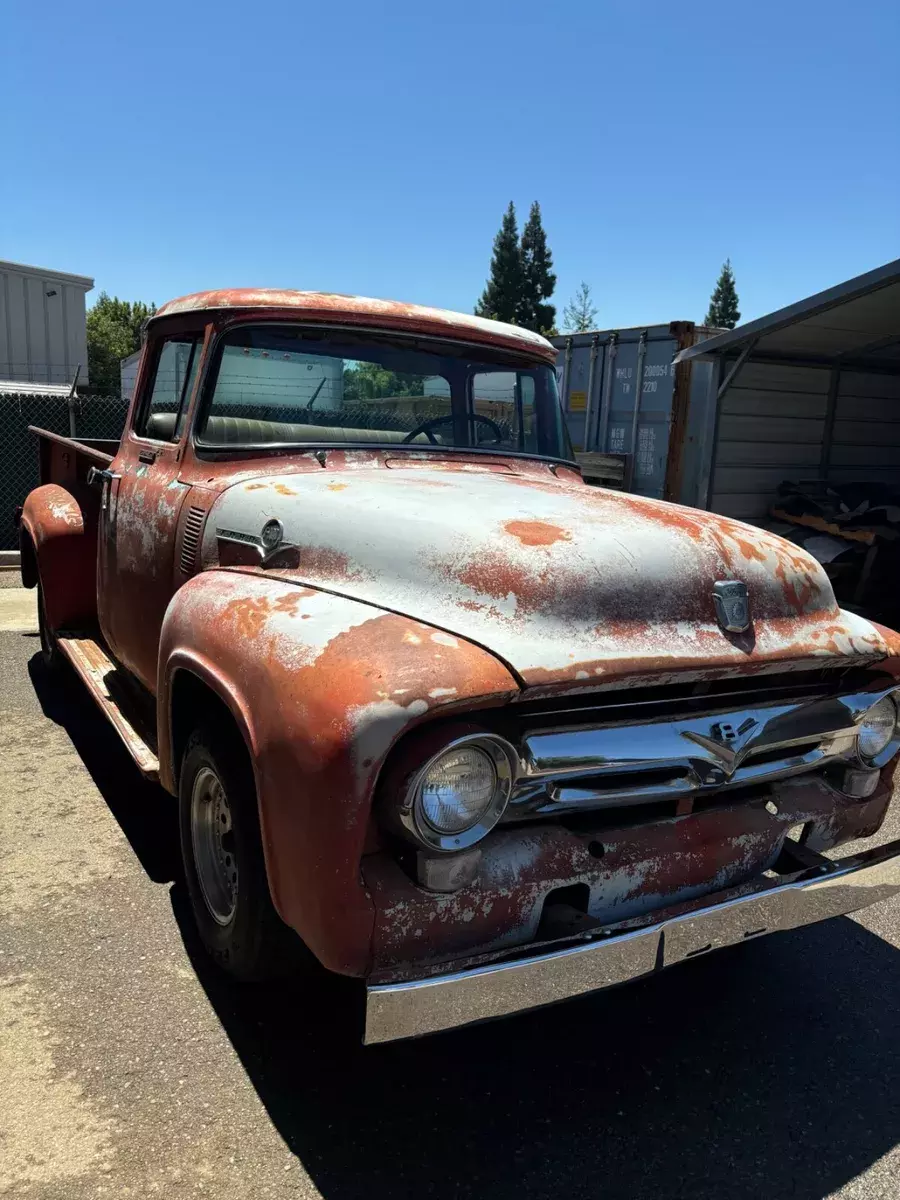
[364, 310]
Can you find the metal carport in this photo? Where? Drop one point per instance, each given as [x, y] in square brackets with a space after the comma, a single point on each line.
[811, 391]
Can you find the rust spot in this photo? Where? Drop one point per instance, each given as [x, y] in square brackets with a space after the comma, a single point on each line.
[290, 602]
[254, 487]
[747, 548]
[337, 487]
[326, 563]
[796, 592]
[498, 578]
[626, 630]
[247, 616]
[283, 490]
[537, 533]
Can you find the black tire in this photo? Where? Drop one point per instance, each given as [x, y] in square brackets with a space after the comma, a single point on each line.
[252, 942]
[50, 651]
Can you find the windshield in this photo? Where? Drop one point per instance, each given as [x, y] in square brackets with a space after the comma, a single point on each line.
[277, 385]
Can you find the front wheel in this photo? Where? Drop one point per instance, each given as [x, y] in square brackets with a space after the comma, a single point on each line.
[223, 860]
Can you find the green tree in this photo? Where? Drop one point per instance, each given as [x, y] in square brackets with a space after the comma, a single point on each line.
[538, 279]
[723, 311]
[113, 332]
[370, 381]
[502, 294]
[580, 315]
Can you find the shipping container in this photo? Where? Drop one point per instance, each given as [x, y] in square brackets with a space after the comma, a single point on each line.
[622, 394]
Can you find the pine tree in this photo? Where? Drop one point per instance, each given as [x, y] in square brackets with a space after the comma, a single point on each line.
[580, 315]
[538, 280]
[502, 294]
[723, 312]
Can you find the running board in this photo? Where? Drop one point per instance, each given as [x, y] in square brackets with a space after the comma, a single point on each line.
[103, 679]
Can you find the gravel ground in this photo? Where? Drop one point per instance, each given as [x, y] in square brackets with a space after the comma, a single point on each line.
[129, 1068]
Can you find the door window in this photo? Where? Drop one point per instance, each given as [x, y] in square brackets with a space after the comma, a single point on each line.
[163, 414]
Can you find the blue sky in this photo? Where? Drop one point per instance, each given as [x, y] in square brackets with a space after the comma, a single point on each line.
[372, 148]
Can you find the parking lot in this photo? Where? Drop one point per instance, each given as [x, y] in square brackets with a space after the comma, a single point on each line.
[131, 1068]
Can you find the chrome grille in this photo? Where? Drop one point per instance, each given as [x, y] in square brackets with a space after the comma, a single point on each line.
[190, 539]
[623, 763]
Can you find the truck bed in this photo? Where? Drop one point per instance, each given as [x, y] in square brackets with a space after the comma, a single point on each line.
[67, 460]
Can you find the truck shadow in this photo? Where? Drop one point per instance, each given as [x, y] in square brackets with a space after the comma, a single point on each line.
[769, 1069]
[146, 814]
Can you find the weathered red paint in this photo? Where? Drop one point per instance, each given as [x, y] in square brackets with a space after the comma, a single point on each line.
[324, 307]
[598, 597]
[537, 533]
[137, 557]
[61, 524]
[322, 687]
[630, 870]
[517, 581]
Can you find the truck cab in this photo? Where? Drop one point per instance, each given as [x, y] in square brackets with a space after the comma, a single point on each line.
[438, 715]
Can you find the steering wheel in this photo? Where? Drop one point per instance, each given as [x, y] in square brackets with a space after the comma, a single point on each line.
[427, 426]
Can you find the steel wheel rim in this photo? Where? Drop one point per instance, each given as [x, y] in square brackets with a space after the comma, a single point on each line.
[212, 839]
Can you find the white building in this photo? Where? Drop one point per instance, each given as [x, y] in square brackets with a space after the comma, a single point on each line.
[128, 374]
[43, 329]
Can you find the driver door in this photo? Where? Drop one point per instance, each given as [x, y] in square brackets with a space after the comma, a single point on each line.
[139, 516]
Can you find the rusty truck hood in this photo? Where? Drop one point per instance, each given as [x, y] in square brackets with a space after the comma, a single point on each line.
[568, 585]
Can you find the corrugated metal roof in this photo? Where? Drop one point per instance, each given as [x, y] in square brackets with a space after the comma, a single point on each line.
[25, 387]
[856, 322]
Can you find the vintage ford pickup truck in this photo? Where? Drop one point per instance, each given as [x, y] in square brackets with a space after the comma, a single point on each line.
[438, 714]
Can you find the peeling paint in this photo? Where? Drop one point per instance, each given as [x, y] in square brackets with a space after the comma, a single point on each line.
[573, 586]
[644, 868]
[391, 314]
[319, 678]
[412, 592]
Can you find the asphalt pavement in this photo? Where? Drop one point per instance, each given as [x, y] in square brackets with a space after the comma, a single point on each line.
[130, 1068]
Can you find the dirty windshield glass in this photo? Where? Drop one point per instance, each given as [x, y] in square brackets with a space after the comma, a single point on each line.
[275, 386]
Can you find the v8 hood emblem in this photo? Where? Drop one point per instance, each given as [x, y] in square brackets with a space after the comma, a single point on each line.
[725, 741]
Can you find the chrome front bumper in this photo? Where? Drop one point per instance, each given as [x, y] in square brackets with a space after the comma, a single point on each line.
[401, 1010]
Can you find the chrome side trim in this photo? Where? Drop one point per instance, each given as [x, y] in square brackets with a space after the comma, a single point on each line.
[626, 763]
[402, 1010]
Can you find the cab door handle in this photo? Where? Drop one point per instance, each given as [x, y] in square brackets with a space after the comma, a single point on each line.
[100, 475]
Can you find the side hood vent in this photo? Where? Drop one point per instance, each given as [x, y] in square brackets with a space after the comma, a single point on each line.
[190, 539]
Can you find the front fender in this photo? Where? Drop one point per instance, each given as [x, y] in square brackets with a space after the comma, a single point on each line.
[321, 687]
[61, 523]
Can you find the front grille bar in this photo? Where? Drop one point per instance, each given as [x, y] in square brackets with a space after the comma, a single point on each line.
[626, 763]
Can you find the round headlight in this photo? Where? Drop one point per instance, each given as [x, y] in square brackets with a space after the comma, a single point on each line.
[457, 789]
[460, 795]
[876, 728]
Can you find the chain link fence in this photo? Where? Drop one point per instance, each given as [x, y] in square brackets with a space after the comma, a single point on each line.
[95, 417]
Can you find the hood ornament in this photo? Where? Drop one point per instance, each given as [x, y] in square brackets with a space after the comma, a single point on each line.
[732, 601]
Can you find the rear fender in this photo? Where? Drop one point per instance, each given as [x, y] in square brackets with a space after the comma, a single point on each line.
[321, 687]
[60, 525]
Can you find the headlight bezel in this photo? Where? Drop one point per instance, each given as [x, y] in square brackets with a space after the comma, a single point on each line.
[889, 749]
[411, 812]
